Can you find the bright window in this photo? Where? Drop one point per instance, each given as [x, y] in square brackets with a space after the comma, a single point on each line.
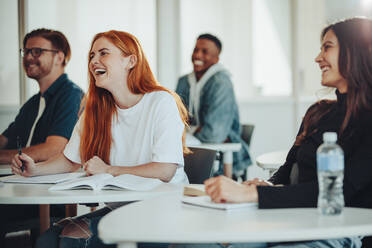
[271, 51]
[9, 63]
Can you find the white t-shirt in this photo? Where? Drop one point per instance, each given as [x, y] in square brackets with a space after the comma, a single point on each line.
[150, 131]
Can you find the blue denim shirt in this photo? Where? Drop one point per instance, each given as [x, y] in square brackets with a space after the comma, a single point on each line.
[218, 115]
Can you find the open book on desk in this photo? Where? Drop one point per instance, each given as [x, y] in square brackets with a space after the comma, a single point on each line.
[108, 181]
[205, 201]
[47, 179]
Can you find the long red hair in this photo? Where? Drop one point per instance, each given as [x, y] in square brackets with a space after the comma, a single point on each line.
[100, 106]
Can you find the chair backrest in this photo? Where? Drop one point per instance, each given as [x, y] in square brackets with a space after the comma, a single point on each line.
[247, 131]
[199, 164]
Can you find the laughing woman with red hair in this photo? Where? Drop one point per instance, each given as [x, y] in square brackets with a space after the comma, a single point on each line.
[130, 125]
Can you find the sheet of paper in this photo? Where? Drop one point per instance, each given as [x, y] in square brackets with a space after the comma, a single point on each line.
[47, 179]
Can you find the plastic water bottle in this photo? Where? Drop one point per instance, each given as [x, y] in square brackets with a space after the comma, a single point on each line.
[330, 165]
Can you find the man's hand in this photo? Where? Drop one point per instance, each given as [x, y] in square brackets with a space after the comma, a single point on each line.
[95, 165]
[30, 168]
[222, 189]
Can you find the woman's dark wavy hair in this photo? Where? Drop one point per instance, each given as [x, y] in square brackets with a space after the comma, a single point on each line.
[355, 65]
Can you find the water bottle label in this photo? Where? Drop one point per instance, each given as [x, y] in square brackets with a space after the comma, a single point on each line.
[327, 162]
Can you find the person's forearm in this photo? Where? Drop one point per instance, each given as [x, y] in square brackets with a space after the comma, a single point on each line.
[162, 171]
[6, 156]
[55, 165]
[45, 151]
[38, 153]
[3, 141]
[53, 146]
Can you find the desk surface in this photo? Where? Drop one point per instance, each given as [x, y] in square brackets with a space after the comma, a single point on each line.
[11, 193]
[166, 219]
[272, 160]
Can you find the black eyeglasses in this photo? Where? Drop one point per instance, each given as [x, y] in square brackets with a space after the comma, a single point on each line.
[35, 51]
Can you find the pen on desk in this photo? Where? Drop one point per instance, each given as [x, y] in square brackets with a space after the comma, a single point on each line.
[19, 147]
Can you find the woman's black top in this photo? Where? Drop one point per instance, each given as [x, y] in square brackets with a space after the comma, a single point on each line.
[356, 141]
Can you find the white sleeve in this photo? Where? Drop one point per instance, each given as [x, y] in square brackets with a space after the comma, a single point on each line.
[167, 142]
[72, 149]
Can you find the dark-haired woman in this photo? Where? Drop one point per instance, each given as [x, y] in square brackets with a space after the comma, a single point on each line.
[345, 61]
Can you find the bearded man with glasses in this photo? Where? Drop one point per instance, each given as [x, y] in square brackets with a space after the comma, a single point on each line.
[45, 122]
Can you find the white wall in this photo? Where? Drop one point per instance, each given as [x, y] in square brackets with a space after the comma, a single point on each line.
[7, 115]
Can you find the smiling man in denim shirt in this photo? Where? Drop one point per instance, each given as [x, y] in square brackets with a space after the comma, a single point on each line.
[209, 95]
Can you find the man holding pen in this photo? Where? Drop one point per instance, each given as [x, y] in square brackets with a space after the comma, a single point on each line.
[45, 122]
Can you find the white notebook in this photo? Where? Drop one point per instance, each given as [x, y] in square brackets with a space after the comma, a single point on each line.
[47, 179]
[205, 201]
[107, 181]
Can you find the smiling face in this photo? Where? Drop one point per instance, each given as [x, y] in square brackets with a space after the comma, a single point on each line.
[205, 55]
[108, 65]
[38, 67]
[328, 63]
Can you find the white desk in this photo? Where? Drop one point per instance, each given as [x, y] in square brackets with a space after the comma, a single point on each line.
[39, 194]
[5, 169]
[271, 161]
[166, 219]
[227, 149]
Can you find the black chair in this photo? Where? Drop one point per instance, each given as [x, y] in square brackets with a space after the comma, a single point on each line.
[367, 242]
[199, 164]
[246, 135]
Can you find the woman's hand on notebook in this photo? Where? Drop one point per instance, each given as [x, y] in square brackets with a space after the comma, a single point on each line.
[95, 165]
[222, 190]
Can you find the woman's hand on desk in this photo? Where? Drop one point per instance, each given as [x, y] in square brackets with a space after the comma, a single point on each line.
[29, 166]
[222, 189]
[95, 165]
[258, 182]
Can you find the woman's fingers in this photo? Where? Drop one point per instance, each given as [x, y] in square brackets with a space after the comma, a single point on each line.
[215, 188]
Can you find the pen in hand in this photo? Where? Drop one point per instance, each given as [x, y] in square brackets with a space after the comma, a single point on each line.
[19, 147]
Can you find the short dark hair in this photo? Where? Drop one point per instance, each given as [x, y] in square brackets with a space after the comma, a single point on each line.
[212, 38]
[58, 40]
